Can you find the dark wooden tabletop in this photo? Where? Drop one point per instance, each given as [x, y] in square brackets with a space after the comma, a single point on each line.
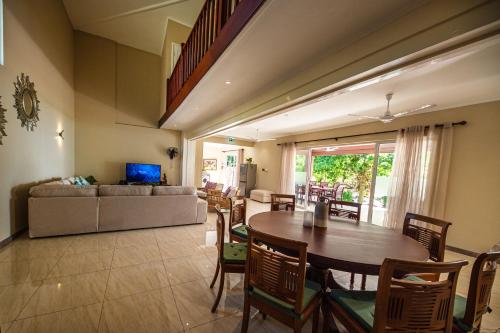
[359, 248]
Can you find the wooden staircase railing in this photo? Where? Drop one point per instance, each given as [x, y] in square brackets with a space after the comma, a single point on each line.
[218, 23]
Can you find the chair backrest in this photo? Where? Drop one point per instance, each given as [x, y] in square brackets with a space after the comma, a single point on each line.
[312, 183]
[481, 283]
[338, 192]
[415, 306]
[300, 189]
[282, 202]
[238, 211]
[220, 227]
[323, 184]
[432, 235]
[275, 273]
[345, 209]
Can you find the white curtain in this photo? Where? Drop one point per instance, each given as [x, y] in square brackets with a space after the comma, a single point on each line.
[287, 183]
[420, 174]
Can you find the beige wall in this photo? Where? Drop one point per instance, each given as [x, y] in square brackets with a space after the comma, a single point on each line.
[40, 46]
[175, 33]
[473, 199]
[117, 96]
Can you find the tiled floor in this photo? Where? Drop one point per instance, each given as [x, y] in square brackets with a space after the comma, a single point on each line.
[152, 280]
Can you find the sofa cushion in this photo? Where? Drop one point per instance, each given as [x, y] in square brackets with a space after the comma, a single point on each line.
[57, 190]
[174, 190]
[125, 190]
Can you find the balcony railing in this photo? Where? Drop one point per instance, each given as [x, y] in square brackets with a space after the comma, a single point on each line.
[218, 23]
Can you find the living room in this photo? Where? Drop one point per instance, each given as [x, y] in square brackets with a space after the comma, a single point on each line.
[87, 88]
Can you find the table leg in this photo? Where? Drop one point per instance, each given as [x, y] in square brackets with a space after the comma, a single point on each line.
[320, 275]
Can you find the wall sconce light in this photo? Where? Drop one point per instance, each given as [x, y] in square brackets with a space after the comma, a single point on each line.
[60, 134]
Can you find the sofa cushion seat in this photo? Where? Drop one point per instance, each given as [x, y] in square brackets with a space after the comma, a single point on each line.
[125, 190]
[56, 190]
[174, 190]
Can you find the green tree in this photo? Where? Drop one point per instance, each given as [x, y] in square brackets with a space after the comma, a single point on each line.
[355, 170]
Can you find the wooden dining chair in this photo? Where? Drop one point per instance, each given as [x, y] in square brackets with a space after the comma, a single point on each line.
[398, 305]
[431, 233]
[468, 312]
[231, 257]
[282, 202]
[300, 192]
[276, 283]
[345, 211]
[237, 220]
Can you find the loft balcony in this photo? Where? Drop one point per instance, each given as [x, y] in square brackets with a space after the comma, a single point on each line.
[218, 23]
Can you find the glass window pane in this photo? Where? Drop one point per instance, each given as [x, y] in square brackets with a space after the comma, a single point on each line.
[384, 168]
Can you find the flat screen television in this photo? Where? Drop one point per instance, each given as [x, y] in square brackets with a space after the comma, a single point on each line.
[143, 173]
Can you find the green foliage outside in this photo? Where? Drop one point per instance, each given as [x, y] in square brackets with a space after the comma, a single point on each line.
[354, 170]
[300, 163]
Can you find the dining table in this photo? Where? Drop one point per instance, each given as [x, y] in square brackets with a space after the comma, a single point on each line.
[351, 247]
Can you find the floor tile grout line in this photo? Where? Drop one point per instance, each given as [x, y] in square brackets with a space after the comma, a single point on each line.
[106, 289]
[58, 311]
[38, 288]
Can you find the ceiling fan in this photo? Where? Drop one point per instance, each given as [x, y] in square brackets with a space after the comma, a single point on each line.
[388, 117]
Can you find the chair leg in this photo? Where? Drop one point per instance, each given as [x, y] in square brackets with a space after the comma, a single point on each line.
[351, 286]
[297, 326]
[215, 276]
[315, 320]
[246, 315]
[219, 294]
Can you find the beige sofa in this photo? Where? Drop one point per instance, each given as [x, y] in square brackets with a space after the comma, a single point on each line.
[69, 209]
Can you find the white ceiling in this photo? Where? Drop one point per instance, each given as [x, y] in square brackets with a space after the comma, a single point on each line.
[467, 76]
[136, 23]
[282, 37]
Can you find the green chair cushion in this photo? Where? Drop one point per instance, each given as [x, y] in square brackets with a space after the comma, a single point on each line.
[360, 304]
[235, 253]
[310, 291]
[458, 308]
[459, 313]
[240, 231]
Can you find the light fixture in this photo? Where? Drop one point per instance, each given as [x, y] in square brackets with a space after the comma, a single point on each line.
[60, 134]
[374, 80]
[227, 82]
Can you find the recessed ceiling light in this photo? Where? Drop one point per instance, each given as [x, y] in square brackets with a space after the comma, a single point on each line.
[227, 82]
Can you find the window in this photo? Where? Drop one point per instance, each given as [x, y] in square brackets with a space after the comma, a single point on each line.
[231, 161]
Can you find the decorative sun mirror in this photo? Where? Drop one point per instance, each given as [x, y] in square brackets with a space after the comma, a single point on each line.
[27, 103]
[3, 121]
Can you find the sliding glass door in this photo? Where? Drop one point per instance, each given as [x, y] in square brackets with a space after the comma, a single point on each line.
[357, 173]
